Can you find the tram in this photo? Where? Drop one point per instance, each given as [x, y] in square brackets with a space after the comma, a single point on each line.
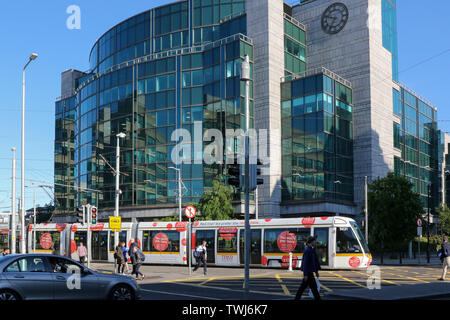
[340, 242]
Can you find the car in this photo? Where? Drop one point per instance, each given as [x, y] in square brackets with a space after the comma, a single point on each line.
[53, 277]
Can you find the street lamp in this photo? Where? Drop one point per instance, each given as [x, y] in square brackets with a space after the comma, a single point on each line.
[32, 57]
[179, 190]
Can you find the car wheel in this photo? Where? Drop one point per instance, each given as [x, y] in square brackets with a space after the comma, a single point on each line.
[8, 295]
[122, 292]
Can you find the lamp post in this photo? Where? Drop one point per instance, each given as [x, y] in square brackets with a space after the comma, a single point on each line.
[32, 57]
[118, 191]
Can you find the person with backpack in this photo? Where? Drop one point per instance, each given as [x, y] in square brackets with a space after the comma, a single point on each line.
[445, 257]
[118, 255]
[310, 265]
[137, 258]
[200, 256]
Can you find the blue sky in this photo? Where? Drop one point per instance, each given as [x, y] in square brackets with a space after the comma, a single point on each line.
[28, 26]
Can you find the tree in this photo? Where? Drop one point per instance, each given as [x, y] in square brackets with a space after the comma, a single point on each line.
[393, 212]
[216, 204]
[444, 219]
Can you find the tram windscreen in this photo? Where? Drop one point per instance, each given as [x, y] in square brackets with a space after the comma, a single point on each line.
[360, 236]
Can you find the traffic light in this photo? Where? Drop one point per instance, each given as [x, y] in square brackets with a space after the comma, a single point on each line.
[254, 173]
[80, 215]
[235, 175]
[94, 215]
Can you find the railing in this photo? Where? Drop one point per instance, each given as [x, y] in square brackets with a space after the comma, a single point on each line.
[294, 21]
[315, 71]
[415, 94]
[232, 16]
[154, 56]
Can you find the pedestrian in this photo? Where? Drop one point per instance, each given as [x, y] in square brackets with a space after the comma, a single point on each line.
[5, 252]
[137, 259]
[310, 265]
[125, 257]
[200, 255]
[82, 253]
[118, 256]
[445, 249]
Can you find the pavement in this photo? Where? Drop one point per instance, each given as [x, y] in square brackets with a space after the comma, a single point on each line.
[422, 261]
[395, 283]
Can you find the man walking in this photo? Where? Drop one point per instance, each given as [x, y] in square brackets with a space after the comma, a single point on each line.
[200, 256]
[82, 253]
[446, 257]
[310, 265]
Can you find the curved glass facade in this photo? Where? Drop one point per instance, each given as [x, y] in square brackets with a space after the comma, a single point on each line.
[159, 71]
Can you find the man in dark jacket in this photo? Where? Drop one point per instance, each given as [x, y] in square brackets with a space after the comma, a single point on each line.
[446, 258]
[310, 265]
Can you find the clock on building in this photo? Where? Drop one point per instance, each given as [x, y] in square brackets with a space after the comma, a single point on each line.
[334, 18]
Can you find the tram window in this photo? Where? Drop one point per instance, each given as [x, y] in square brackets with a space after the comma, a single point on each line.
[55, 240]
[346, 241]
[80, 236]
[146, 240]
[173, 243]
[122, 238]
[225, 244]
[360, 236]
[271, 239]
[3, 241]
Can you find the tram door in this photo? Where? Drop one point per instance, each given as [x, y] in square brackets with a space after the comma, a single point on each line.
[99, 245]
[322, 245]
[210, 237]
[255, 249]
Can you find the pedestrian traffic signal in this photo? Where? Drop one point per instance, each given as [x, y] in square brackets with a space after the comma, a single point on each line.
[254, 173]
[94, 215]
[80, 215]
[235, 175]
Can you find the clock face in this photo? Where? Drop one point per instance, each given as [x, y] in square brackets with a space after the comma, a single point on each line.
[334, 18]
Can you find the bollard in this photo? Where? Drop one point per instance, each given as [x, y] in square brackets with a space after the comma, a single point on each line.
[290, 261]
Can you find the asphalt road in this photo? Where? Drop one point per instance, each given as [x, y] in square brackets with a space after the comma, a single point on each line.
[175, 283]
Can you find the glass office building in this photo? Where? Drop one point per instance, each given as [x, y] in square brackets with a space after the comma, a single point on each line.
[417, 137]
[159, 71]
[317, 139]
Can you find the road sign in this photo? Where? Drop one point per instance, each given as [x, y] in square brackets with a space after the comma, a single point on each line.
[190, 212]
[419, 231]
[115, 223]
[287, 241]
[419, 222]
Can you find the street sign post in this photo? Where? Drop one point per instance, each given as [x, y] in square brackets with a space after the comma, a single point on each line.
[115, 223]
[190, 212]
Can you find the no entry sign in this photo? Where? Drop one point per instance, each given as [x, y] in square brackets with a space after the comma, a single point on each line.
[190, 212]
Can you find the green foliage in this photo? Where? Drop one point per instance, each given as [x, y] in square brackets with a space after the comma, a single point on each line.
[444, 219]
[216, 204]
[393, 212]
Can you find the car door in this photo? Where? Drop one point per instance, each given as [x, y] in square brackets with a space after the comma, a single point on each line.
[71, 281]
[30, 278]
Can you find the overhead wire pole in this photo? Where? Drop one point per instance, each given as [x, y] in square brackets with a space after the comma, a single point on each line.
[245, 76]
[13, 204]
[118, 191]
